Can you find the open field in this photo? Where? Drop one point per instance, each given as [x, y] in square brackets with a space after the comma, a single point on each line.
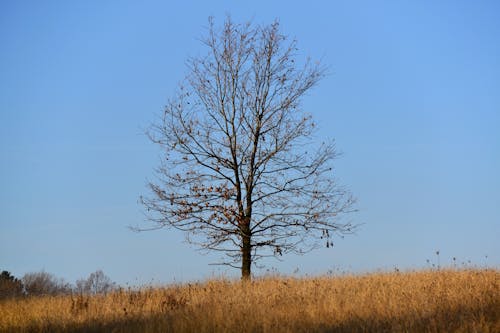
[423, 301]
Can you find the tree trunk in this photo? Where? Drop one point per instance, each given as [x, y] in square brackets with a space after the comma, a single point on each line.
[246, 252]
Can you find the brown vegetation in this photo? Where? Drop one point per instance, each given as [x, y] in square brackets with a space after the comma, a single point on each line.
[425, 301]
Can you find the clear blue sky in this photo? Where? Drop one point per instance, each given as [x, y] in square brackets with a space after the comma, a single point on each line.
[413, 101]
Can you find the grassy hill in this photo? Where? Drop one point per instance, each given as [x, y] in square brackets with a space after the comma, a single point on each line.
[421, 301]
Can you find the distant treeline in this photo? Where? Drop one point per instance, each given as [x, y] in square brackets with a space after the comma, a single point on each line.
[43, 283]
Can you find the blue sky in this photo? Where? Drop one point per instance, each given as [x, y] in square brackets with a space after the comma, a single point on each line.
[412, 99]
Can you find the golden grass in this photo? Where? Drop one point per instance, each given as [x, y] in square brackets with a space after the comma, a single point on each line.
[424, 301]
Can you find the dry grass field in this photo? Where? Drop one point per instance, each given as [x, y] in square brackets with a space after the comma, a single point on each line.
[423, 301]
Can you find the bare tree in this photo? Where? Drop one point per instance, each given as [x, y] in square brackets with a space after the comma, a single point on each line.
[241, 172]
[96, 283]
[43, 283]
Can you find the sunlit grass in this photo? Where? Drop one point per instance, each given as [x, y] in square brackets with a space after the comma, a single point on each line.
[423, 301]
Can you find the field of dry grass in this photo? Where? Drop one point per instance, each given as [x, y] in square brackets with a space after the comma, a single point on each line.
[424, 301]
